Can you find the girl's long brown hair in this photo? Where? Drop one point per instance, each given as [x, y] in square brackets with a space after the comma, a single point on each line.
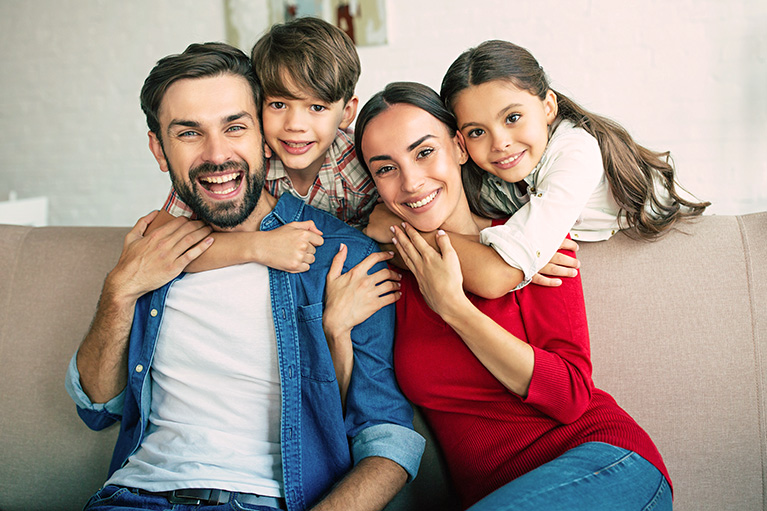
[641, 180]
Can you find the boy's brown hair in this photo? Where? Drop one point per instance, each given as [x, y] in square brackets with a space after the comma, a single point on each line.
[310, 55]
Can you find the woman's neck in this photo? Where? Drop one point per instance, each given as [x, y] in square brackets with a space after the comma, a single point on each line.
[463, 221]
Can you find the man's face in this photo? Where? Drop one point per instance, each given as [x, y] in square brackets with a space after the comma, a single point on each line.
[212, 146]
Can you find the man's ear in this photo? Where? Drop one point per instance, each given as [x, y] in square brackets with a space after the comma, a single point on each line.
[156, 147]
[350, 112]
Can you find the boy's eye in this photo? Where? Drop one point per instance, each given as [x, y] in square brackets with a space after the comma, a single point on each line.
[318, 108]
[277, 105]
[512, 118]
[476, 132]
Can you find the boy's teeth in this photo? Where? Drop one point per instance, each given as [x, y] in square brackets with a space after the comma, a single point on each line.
[297, 144]
[423, 201]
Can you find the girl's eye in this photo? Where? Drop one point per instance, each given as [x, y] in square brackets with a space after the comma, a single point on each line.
[318, 108]
[425, 152]
[512, 118]
[476, 132]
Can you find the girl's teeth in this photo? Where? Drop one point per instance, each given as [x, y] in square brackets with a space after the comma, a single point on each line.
[423, 201]
[510, 160]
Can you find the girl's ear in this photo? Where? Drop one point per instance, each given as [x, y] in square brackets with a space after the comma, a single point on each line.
[461, 142]
[350, 112]
[156, 147]
[550, 106]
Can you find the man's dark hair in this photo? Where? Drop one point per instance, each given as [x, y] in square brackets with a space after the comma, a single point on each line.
[199, 60]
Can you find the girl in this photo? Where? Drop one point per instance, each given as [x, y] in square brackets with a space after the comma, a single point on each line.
[556, 167]
[505, 383]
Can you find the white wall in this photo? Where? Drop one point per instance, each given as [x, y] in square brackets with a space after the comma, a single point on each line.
[686, 75]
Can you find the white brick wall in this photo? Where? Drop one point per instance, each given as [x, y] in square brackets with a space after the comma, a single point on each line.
[686, 75]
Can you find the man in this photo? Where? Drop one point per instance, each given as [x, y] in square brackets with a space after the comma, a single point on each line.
[222, 380]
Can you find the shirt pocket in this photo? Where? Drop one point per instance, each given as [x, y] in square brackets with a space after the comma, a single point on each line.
[316, 363]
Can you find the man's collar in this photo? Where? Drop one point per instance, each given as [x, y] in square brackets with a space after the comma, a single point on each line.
[288, 209]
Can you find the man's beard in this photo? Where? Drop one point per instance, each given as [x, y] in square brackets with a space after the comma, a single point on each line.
[224, 214]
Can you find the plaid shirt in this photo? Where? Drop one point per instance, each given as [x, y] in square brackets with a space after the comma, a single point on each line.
[342, 188]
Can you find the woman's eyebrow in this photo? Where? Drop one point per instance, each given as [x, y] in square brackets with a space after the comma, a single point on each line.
[419, 142]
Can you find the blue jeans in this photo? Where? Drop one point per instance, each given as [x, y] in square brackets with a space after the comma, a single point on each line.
[122, 499]
[593, 476]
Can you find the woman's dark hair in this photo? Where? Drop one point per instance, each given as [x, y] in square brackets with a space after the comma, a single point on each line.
[634, 172]
[409, 93]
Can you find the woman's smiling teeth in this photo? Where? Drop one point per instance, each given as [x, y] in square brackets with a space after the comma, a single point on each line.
[421, 203]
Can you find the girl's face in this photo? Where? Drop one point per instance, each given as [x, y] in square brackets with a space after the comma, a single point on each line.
[505, 128]
[416, 166]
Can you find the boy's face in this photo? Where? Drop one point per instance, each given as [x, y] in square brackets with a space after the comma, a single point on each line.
[300, 131]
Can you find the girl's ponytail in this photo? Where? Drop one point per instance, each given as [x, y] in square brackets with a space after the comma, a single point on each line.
[641, 180]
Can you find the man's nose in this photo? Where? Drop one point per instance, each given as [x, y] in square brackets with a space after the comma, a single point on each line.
[217, 150]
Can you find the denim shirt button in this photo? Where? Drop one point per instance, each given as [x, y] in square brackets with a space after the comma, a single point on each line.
[290, 372]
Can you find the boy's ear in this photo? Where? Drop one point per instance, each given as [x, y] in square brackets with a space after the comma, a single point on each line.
[267, 150]
[350, 112]
[550, 106]
[156, 147]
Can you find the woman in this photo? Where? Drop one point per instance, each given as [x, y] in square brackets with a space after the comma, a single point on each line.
[505, 383]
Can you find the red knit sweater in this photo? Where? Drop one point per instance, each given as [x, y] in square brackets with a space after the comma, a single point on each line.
[489, 435]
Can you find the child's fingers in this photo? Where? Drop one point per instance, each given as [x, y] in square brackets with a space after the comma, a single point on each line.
[561, 259]
[138, 230]
[337, 264]
[558, 270]
[569, 244]
[545, 281]
[309, 226]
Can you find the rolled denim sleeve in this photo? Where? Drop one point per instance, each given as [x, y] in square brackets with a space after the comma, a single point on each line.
[95, 415]
[397, 443]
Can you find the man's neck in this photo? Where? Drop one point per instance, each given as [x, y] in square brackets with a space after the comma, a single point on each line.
[265, 205]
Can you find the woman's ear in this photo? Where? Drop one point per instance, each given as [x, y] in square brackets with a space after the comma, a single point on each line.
[461, 142]
[550, 106]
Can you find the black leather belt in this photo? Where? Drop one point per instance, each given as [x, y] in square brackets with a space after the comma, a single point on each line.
[206, 497]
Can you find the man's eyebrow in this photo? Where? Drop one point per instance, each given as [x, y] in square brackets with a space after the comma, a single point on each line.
[237, 116]
[182, 123]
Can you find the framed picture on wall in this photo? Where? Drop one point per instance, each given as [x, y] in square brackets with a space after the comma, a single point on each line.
[364, 21]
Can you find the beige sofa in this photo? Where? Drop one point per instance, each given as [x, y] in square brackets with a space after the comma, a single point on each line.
[679, 337]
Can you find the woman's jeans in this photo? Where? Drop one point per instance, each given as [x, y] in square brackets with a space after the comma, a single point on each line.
[593, 476]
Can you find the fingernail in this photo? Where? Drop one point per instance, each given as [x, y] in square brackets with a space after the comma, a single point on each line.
[342, 247]
[391, 228]
[394, 240]
[441, 232]
[391, 253]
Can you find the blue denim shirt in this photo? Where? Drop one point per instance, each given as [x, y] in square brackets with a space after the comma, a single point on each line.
[319, 444]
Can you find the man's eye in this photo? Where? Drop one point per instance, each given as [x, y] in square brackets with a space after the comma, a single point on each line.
[236, 128]
[187, 134]
[318, 108]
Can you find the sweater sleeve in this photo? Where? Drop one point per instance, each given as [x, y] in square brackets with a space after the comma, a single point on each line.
[557, 330]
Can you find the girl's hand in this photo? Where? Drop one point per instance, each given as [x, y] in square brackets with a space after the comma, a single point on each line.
[561, 265]
[380, 223]
[438, 273]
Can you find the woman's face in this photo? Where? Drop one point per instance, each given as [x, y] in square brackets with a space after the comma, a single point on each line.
[416, 165]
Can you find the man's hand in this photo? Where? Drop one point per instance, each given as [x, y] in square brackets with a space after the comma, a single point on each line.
[561, 265]
[291, 247]
[151, 261]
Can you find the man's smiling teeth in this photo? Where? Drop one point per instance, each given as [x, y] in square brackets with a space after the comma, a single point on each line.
[221, 179]
[423, 201]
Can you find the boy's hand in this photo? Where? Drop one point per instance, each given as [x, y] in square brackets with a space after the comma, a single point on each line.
[354, 296]
[291, 247]
[380, 223]
[561, 265]
[151, 260]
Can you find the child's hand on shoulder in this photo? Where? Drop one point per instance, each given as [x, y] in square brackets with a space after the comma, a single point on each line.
[561, 265]
[291, 247]
[380, 223]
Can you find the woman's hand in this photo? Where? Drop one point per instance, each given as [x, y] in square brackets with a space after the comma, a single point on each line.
[438, 272]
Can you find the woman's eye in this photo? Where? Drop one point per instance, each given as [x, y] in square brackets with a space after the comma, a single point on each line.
[380, 171]
[318, 108]
[423, 153]
[476, 132]
[512, 118]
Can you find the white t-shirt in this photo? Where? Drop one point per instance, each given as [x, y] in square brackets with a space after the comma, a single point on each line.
[215, 414]
[567, 192]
